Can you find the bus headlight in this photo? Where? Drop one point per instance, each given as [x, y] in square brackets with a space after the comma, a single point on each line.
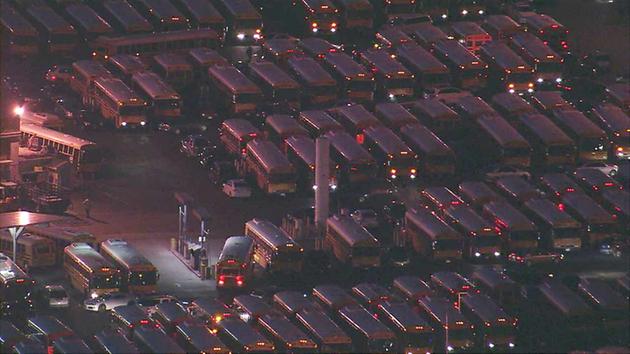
[143, 123]
[511, 345]
[539, 80]
[559, 80]
[511, 91]
[497, 254]
[240, 36]
[256, 36]
[490, 345]
[391, 96]
[481, 12]
[315, 29]
[530, 90]
[332, 30]
[464, 12]
[449, 348]
[124, 124]
[477, 254]
[444, 16]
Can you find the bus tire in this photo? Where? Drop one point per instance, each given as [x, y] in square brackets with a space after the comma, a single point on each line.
[102, 308]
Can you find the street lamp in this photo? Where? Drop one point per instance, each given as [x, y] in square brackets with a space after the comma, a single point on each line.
[18, 111]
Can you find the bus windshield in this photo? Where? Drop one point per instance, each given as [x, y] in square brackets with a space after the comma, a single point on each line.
[381, 345]
[566, 233]
[63, 38]
[502, 331]
[167, 104]
[143, 278]
[246, 98]
[250, 23]
[131, 110]
[361, 168]
[560, 150]
[440, 78]
[289, 255]
[400, 83]
[549, 67]
[286, 94]
[419, 339]
[520, 77]
[516, 151]
[471, 73]
[321, 90]
[458, 334]
[281, 177]
[448, 244]
[487, 241]
[365, 252]
[523, 236]
[601, 228]
[104, 282]
[361, 85]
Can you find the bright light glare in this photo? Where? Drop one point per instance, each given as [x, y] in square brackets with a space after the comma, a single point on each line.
[559, 80]
[539, 80]
[449, 348]
[464, 12]
[444, 16]
[94, 295]
[18, 111]
[511, 345]
[143, 123]
[497, 254]
[477, 254]
[240, 36]
[124, 124]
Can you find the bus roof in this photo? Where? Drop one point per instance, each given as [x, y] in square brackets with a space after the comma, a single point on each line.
[10, 270]
[304, 147]
[56, 136]
[241, 9]
[128, 16]
[602, 295]
[502, 132]
[157, 37]
[518, 187]
[434, 108]
[211, 306]
[9, 333]
[287, 332]
[118, 91]
[621, 92]
[26, 238]
[369, 292]
[394, 115]
[132, 314]
[393, 36]
[202, 11]
[269, 156]
[245, 335]
[563, 299]
[545, 129]
[49, 19]
[172, 61]
[293, 302]
[470, 220]
[487, 310]
[535, 48]
[72, 344]
[91, 68]
[613, 119]
[559, 183]
[384, 63]
[351, 232]
[322, 327]
[125, 254]
[431, 224]
[320, 120]
[87, 256]
[389, 142]
[201, 337]
[153, 85]
[50, 325]
[206, 57]
[478, 193]
[281, 46]
[453, 281]
[502, 23]
[429, 34]
[316, 46]
[467, 28]
[171, 311]
[232, 78]
[127, 63]
[473, 106]
[459, 55]
[311, 72]
[442, 195]
[493, 279]
[620, 200]
[240, 127]
[347, 67]
[505, 57]
[550, 100]
[333, 296]
[348, 147]
[412, 286]
[539, 22]
[576, 122]
[29, 346]
[355, 4]
[273, 75]
[88, 18]
[443, 311]
[238, 248]
[270, 234]
[14, 22]
[423, 140]
[511, 104]
[587, 208]
[115, 342]
[163, 10]
[363, 321]
[549, 212]
[157, 340]
[355, 115]
[507, 215]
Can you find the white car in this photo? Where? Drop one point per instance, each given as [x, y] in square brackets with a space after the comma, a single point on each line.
[365, 217]
[108, 301]
[237, 188]
[505, 171]
[607, 168]
[56, 296]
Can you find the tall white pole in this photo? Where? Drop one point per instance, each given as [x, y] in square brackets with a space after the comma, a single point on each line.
[322, 177]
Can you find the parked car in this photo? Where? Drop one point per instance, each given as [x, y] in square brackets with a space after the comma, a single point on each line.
[56, 296]
[108, 301]
[497, 172]
[365, 217]
[237, 188]
[58, 73]
[194, 145]
[608, 168]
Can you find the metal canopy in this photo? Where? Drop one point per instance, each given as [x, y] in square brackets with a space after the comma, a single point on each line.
[16, 221]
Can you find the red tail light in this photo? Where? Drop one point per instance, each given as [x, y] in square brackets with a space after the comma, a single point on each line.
[561, 207]
[608, 184]
[144, 322]
[570, 189]
[239, 280]
[455, 202]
